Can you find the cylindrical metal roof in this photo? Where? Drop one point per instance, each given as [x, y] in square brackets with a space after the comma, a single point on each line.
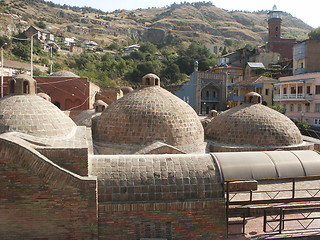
[268, 165]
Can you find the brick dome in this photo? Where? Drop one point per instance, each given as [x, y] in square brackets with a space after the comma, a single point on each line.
[150, 114]
[64, 73]
[31, 114]
[253, 124]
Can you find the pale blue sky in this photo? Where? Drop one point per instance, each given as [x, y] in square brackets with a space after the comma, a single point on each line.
[307, 10]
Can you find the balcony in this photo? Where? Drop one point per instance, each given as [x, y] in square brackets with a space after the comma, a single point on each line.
[293, 97]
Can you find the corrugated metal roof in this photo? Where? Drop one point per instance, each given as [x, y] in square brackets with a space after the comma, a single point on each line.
[268, 165]
[256, 65]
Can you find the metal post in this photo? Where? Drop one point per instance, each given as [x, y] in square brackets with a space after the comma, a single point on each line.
[281, 221]
[244, 223]
[293, 188]
[4, 44]
[51, 60]
[31, 57]
[265, 220]
[227, 209]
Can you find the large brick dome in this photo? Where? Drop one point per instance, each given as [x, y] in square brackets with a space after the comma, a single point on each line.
[150, 114]
[31, 114]
[253, 124]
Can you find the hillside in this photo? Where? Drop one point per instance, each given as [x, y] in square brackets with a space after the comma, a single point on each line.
[200, 22]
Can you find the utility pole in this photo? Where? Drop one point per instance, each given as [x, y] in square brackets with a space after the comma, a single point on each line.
[4, 44]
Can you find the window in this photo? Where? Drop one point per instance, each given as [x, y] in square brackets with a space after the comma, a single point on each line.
[267, 91]
[308, 90]
[317, 89]
[301, 65]
[207, 94]
[299, 107]
[316, 121]
[291, 108]
[317, 107]
[26, 87]
[284, 90]
[307, 107]
[300, 89]
[11, 86]
[293, 90]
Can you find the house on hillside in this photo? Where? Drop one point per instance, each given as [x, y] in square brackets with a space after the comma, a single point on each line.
[42, 35]
[90, 45]
[238, 58]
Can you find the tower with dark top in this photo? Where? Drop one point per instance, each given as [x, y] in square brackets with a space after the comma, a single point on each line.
[276, 43]
[274, 23]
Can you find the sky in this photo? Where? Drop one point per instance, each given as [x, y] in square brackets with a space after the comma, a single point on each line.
[306, 10]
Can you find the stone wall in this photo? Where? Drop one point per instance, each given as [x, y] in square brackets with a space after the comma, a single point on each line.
[176, 220]
[40, 200]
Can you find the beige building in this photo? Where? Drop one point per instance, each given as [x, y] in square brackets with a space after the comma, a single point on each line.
[260, 84]
[300, 96]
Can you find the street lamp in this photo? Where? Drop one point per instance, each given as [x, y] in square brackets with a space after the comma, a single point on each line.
[4, 44]
[31, 42]
[31, 55]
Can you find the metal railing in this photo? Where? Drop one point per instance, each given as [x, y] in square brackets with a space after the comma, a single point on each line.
[273, 196]
[300, 218]
[299, 96]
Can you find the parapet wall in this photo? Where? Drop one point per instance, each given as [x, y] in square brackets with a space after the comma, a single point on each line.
[40, 200]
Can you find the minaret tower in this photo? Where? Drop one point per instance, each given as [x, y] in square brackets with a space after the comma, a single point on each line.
[274, 22]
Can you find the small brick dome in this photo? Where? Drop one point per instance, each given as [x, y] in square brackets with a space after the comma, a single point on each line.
[31, 114]
[150, 114]
[64, 73]
[126, 89]
[253, 124]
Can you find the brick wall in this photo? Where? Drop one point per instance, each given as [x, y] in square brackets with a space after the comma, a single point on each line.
[39, 200]
[177, 220]
[74, 160]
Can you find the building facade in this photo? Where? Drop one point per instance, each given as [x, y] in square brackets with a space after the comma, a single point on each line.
[306, 57]
[300, 96]
[260, 84]
[205, 91]
[67, 91]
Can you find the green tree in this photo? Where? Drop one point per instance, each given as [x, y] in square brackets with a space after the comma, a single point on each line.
[171, 74]
[21, 50]
[41, 24]
[4, 40]
[148, 47]
[302, 125]
[278, 108]
[315, 34]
